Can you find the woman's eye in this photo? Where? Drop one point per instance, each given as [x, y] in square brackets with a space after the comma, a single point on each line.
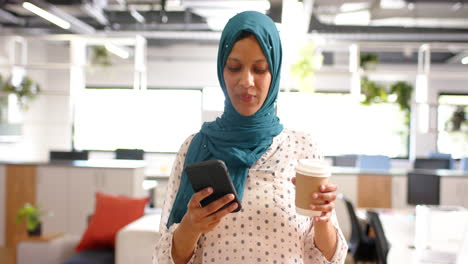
[260, 70]
[233, 69]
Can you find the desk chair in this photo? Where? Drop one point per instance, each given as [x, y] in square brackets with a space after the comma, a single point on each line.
[439, 155]
[344, 160]
[373, 162]
[431, 163]
[464, 164]
[423, 188]
[361, 246]
[69, 155]
[381, 243]
[131, 154]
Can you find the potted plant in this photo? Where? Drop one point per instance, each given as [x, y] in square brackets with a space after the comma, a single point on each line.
[32, 215]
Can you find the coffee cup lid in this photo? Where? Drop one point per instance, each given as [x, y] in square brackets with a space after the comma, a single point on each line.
[313, 167]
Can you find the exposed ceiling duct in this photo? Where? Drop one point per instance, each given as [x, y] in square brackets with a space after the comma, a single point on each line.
[391, 20]
[398, 13]
[141, 15]
[387, 20]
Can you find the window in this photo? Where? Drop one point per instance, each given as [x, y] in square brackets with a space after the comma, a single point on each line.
[452, 125]
[156, 120]
[344, 126]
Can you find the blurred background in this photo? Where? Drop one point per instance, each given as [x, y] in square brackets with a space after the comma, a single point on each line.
[107, 87]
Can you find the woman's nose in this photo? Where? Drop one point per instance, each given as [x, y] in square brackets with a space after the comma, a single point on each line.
[247, 79]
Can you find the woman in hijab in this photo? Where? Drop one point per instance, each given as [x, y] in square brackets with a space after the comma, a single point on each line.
[260, 156]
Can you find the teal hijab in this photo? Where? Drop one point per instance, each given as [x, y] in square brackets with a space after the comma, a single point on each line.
[237, 140]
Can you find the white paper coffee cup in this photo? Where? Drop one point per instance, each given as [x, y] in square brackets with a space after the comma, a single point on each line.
[310, 174]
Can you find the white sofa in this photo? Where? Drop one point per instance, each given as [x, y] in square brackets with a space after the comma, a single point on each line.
[134, 244]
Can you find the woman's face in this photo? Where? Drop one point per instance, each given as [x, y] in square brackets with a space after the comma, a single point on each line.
[247, 76]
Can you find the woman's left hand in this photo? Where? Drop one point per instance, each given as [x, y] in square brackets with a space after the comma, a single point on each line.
[327, 195]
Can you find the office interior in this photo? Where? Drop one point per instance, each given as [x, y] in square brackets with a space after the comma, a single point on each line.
[112, 89]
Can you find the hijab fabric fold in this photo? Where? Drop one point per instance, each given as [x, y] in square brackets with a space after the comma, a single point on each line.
[237, 140]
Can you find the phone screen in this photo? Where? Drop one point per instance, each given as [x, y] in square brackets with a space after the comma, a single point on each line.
[214, 174]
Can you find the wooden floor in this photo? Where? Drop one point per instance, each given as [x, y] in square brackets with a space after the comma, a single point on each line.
[6, 256]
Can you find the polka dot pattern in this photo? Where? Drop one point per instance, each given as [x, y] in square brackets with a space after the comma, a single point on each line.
[267, 229]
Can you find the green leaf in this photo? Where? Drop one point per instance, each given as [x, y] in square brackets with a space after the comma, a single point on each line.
[304, 68]
[31, 214]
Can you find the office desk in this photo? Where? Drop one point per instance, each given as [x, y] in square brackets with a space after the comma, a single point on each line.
[399, 226]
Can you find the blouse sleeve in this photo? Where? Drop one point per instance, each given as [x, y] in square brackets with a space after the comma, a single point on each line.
[313, 255]
[162, 252]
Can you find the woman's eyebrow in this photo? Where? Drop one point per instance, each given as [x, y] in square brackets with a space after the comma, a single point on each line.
[237, 60]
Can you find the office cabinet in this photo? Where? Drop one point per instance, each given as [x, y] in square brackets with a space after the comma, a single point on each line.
[375, 191]
[69, 192]
[453, 191]
[127, 182]
[20, 189]
[2, 204]
[399, 192]
[52, 195]
[84, 183]
[347, 185]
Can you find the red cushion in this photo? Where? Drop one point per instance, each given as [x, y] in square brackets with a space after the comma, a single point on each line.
[111, 214]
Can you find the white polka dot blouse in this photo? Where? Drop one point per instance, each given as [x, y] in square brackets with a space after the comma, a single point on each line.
[267, 229]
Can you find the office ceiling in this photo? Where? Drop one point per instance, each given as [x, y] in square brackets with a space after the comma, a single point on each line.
[392, 20]
[326, 16]
[132, 15]
[348, 20]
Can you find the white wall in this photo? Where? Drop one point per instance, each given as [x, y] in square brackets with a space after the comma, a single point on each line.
[46, 124]
[180, 66]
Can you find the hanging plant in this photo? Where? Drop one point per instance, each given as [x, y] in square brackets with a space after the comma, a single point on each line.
[26, 90]
[373, 92]
[367, 61]
[3, 102]
[403, 92]
[101, 56]
[1, 81]
[303, 70]
[457, 120]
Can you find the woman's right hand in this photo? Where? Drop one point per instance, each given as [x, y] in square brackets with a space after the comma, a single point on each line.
[202, 220]
[196, 221]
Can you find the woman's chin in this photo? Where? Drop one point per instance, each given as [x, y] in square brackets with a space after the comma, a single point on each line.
[246, 112]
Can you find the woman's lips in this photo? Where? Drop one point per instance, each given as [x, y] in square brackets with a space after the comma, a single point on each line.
[247, 97]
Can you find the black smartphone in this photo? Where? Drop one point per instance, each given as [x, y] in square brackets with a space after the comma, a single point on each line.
[214, 174]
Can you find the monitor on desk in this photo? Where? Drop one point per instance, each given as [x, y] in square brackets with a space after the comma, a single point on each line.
[431, 163]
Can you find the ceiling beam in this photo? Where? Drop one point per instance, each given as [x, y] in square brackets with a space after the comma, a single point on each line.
[7, 17]
[96, 12]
